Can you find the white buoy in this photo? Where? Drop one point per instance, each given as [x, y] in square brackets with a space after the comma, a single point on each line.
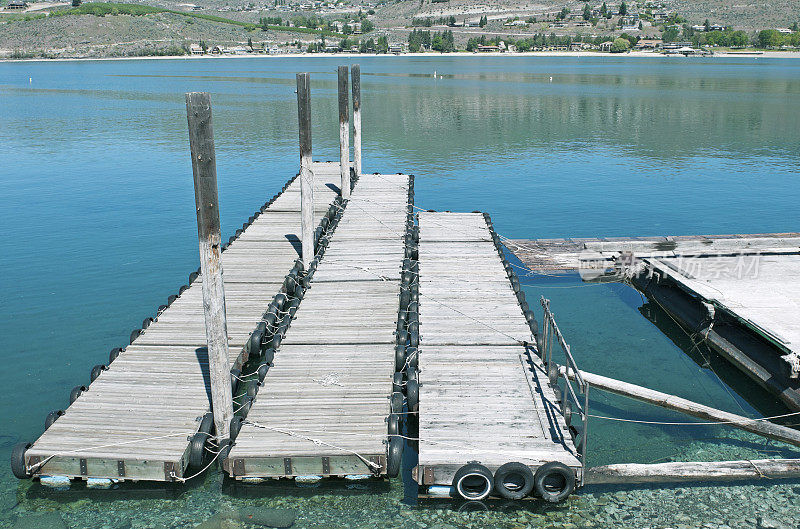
[434, 74]
[551, 78]
[30, 80]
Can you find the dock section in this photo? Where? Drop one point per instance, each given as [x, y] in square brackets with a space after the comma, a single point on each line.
[484, 393]
[136, 418]
[323, 406]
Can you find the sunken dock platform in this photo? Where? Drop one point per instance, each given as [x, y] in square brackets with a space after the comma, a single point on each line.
[736, 293]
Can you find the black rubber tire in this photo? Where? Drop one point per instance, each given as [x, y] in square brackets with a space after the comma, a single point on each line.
[236, 425]
[96, 370]
[399, 357]
[182, 289]
[568, 413]
[197, 450]
[393, 425]
[18, 466]
[554, 481]
[171, 299]
[412, 393]
[235, 374]
[251, 388]
[247, 403]
[558, 394]
[207, 423]
[269, 355]
[192, 277]
[135, 334]
[412, 357]
[75, 393]
[263, 369]
[397, 403]
[115, 352]
[552, 372]
[513, 481]
[397, 382]
[394, 457]
[473, 482]
[146, 322]
[52, 417]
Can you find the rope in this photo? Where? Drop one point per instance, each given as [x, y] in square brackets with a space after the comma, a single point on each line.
[692, 423]
[374, 467]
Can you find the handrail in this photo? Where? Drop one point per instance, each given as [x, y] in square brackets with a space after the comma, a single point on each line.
[550, 334]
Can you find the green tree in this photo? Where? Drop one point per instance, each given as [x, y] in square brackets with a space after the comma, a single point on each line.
[76, 3]
[483, 21]
[707, 26]
[382, 45]
[604, 9]
[367, 26]
[250, 41]
[770, 38]
[623, 9]
[587, 12]
[670, 35]
[620, 45]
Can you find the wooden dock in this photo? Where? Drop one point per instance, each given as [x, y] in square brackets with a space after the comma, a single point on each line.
[729, 291]
[136, 419]
[484, 392]
[323, 406]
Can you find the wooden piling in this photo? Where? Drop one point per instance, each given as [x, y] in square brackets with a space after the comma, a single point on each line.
[204, 169]
[671, 402]
[676, 472]
[306, 173]
[344, 133]
[355, 75]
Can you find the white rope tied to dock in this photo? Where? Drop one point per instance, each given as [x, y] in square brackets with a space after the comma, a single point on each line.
[375, 468]
[692, 423]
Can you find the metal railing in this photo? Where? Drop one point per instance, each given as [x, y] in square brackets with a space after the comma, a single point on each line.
[550, 334]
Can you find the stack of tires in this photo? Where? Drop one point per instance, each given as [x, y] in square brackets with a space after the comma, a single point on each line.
[553, 482]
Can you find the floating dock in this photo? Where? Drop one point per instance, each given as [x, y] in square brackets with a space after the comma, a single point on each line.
[136, 419]
[484, 396]
[730, 291]
[323, 408]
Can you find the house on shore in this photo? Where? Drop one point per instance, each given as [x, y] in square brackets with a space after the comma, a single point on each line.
[17, 4]
[195, 49]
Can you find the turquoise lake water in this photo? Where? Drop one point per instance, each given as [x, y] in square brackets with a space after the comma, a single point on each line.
[99, 228]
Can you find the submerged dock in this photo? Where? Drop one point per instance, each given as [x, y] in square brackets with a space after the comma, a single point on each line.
[730, 291]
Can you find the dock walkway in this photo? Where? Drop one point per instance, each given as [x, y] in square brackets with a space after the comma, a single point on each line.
[484, 394]
[135, 420]
[323, 406]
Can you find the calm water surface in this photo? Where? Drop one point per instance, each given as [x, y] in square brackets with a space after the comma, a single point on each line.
[98, 229]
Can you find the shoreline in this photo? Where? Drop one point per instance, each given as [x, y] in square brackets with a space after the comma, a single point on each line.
[593, 54]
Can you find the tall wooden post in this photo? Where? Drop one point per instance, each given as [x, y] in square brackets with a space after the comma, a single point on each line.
[355, 74]
[204, 168]
[306, 173]
[344, 132]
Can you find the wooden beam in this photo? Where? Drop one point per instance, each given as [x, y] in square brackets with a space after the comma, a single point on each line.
[306, 173]
[694, 471]
[344, 133]
[204, 169]
[355, 74]
[671, 402]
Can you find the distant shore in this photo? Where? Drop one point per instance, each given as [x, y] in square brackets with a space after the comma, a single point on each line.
[594, 54]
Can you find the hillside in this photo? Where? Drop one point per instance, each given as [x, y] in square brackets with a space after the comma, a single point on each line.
[232, 22]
